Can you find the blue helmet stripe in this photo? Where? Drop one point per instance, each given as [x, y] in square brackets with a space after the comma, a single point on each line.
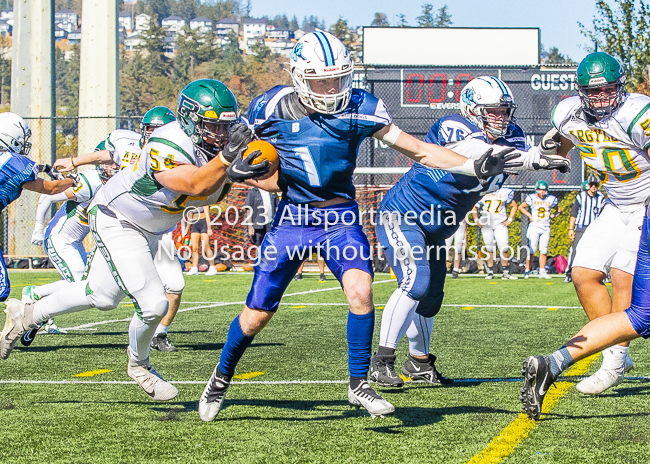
[327, 49]
[503, 87]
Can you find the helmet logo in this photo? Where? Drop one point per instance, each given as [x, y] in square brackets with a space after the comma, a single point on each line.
[468, 96]
[597, 80]
[187, 105]
[228, 116]
[297, 53]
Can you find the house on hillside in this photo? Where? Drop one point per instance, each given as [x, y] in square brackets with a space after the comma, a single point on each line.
[125, 20]
[254, 32]
[74, 37]
[7, 15]
[203, 24]
[66, 19]
[142, 22]
[224, 26]
[5, 28]
[173, 24]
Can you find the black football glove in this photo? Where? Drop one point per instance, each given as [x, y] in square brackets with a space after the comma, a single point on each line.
[489, 165]
[244, 169]
[50, 171]
[550, 142]
[239, 136]
[550, 162]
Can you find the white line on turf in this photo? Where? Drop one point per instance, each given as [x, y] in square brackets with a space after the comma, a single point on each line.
[255, 382]
[215, 305]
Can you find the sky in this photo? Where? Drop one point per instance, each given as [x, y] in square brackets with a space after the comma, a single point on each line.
[557, 19]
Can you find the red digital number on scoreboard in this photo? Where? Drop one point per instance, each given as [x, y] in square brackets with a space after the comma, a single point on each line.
[435, 85]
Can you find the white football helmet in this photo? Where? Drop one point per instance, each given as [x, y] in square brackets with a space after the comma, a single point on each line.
[320, 60]
[14, 134]
[486, 92]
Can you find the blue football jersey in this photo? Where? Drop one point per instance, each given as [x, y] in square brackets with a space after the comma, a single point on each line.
[318, 152]
[15, 170]
[439, 200]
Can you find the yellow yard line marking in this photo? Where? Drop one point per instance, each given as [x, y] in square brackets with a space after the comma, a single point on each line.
[92, 373]
[504, 444]
[467, 308]
[493, 283]
[298, 307]
[552, 309]
[380, 307]
[248, 375]
[549, 283]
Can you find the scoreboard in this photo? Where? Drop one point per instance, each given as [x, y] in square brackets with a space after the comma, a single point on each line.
[417, 96]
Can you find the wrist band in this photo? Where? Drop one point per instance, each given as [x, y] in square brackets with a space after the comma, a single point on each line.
[223, 159]
[72, 161]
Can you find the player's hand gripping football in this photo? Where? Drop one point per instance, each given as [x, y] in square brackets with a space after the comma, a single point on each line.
[548, 158]
[489, 165]
[242, 169]
[239, 136]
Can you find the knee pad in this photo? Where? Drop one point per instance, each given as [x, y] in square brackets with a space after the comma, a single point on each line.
[154, 310]
[175, 285]
[103, 301]
[430, 305]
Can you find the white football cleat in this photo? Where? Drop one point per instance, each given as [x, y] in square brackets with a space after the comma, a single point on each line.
[150, 380]
[213, 396]
[193, 271]
[374, 403]
[211, 271]
[629, 364]
[601, 381]
[543, 274]
[18, 320]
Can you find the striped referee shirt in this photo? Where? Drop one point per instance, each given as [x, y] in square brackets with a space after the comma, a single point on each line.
[587, 208]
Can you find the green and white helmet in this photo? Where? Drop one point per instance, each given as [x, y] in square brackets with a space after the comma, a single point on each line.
[541, 185]
[599, 70]
[155, 117]
[206, 109]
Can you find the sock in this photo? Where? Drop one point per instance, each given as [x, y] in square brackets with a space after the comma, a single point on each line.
[490, 270]
[69, 299]
[396, 318]
[46, 290]
[457, 269]
[359, 333]
[384, 351]
[355, 381]
[140, 335]
[560, 361]
[419, 334]
[614, 357]
[161, 329]
[236, 344]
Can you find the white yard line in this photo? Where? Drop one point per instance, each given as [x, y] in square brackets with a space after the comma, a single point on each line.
[214, 305]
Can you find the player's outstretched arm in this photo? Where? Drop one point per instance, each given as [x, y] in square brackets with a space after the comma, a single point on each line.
[49, 187]
[192, 180]
[96, 157]
[270, 184]
[523, 209]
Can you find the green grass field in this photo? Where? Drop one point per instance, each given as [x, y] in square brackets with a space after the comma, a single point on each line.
[106, 419]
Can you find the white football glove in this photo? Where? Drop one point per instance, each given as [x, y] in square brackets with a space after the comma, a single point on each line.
[550, 162]
[38, 235]
[550, 142]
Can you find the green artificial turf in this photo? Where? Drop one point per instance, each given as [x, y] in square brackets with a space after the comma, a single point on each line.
[297, 423]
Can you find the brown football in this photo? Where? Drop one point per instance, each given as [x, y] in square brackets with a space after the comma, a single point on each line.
[268, 153]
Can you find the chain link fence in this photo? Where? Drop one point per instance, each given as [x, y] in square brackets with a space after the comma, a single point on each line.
[417, 97]
[72, 136]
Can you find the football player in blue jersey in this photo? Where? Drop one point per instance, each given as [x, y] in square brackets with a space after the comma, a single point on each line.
[17, 172]
[426, 206]
[316, 127]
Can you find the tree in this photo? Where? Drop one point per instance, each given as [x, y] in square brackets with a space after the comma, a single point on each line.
[186, 9]
[443, 19]
[401, 20]
[293, 24]
[380, 20]
[312, 23]
[625, 34]
[280, 21]
[555, 57]
[426, 18]
[247, 9]
[340, 30]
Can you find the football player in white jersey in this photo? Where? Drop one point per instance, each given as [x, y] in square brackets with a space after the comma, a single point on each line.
[458, 242]
[611, 128]
[183, 164]
[494, 224]
[541, 205]
[64, 236]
